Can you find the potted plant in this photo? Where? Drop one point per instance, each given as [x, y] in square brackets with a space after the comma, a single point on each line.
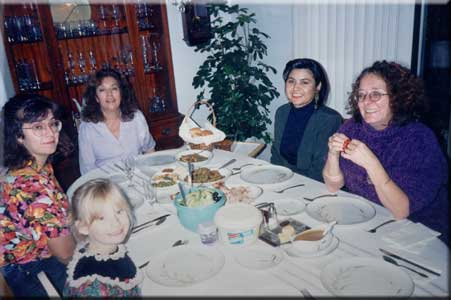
[235, 75]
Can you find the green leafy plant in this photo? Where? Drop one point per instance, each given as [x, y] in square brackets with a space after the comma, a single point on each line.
[235, 74]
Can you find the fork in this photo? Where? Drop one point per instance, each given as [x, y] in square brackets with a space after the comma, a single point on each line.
[290, 187]
[320, 196]
[177, 243]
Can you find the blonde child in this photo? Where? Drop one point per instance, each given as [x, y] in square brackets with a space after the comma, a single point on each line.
[100, 265]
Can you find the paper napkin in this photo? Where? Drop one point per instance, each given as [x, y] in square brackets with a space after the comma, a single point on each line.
[410, 234]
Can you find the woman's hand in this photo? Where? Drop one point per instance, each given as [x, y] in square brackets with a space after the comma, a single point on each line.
[336, 143]
[358, 152]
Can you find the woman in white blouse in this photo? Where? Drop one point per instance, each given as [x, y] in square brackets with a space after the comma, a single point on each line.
[112, 126]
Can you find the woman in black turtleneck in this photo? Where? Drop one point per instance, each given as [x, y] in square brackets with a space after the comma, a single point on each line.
[303, 126]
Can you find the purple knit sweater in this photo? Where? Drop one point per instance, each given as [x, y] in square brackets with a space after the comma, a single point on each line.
[413, 159]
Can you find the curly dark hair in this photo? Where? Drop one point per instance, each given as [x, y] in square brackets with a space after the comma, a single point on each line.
[318, 71]
[20, 109]
[408, 101]
[91, 111]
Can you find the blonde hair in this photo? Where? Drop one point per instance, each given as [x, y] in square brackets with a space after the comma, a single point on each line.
[90, 198]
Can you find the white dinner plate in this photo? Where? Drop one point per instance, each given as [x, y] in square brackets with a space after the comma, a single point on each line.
[289, 206]
[366, 277]
[344, 210]
[266, 174]
[185, 265]
[156, 159]
[258, 257]
[297, 251]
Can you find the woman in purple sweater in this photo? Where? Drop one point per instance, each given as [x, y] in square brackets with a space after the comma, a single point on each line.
[385, 154]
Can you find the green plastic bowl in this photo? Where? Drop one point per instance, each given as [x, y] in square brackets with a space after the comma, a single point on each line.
[191, 217]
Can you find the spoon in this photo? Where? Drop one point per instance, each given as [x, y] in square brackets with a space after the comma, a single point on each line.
[392, 261]
[329, 227]
[182, 192]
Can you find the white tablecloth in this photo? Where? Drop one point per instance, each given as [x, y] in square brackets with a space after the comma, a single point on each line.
[293, 273]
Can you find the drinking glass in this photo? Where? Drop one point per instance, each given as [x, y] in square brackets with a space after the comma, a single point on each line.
[149, 194]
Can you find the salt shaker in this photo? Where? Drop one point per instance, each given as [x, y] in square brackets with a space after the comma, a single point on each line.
[208, 232]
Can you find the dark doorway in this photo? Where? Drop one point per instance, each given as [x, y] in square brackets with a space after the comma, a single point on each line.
[434, 67]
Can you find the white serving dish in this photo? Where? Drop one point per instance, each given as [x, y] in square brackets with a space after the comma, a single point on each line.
[204, 153]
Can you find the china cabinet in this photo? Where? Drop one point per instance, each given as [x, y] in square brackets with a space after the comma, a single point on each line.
[53, 48]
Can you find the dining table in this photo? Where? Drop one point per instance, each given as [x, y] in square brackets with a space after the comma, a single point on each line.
[229, 270]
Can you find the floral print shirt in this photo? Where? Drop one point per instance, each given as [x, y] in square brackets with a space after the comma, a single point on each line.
[33, 209]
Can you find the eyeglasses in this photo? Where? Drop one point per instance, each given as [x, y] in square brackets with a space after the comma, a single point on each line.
[39, 129]
[374, 96]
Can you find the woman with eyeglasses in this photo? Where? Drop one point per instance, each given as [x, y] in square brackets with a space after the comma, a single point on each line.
[385, 154]
[34, 224]
[112, 127]
[303, 125]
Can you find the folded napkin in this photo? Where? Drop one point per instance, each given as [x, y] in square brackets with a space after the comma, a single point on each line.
[410, 234]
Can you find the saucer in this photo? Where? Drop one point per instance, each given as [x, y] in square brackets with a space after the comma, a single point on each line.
[294, 251]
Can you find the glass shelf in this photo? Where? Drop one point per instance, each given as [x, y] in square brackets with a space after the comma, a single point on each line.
[109, 32]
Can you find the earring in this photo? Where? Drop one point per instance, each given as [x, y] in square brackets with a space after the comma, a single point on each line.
[316, 100]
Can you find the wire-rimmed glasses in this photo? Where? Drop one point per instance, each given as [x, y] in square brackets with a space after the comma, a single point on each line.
[39, 129]
[373, 96]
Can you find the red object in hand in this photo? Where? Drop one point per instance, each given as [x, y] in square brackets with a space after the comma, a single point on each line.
[345, 144]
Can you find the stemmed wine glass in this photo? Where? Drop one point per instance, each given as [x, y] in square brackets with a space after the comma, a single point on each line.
[129, 167]
[116, 15]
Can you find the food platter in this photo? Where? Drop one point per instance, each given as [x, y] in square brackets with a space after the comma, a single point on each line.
[207, 175]
[266, 174]
[241, 193]
[165, 182]
[196, 157]
[185, 265]
[366, 277]
[344, 210]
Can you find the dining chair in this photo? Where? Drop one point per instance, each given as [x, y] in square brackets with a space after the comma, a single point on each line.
[48, 286]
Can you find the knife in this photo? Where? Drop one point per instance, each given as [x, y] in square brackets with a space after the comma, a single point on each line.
[151, 221]
[228, 163]
[408, 261]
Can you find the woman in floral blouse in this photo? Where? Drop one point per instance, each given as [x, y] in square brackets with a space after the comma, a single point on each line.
[34, 231]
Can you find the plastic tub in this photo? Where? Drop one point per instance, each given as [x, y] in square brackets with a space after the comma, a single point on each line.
[191, 217]
[238, 224]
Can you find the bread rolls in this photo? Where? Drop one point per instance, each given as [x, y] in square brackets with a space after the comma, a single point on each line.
[196, 131]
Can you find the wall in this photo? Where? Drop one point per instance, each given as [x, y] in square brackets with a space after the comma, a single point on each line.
[275, 20]
[286, 38]
[320, 31]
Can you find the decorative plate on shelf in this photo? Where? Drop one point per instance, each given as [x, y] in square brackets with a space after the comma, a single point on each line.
[185, 265]
[344, 210]
[266, 174]
[366, 277]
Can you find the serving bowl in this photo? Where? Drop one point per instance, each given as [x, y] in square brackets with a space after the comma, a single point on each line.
[196, 157]
[191, 217]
